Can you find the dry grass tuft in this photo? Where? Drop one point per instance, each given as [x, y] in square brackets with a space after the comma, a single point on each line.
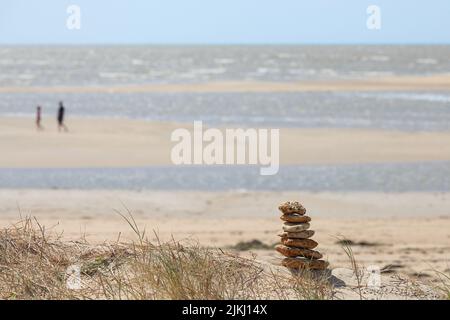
[31, 264]
[34, 264]
[444, 284]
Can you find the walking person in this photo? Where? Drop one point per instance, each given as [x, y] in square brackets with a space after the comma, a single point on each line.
[61, 112]
[39, 118]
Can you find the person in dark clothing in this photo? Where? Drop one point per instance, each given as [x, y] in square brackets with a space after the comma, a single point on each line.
[38, 118]
[61, 111]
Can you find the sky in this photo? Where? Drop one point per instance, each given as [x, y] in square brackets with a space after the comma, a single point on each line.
[224, 22]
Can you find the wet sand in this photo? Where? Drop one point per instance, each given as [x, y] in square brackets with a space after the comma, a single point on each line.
[133, 143]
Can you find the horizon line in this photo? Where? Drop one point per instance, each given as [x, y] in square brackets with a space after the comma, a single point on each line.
[229, 44]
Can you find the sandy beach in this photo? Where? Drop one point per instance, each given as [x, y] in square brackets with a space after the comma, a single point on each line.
[393, 83]
[407, 231]
[235, 151]
[132, 143]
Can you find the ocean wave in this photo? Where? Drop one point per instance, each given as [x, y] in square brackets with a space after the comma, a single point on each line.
[224, 61]
[376, 58]
[209, 71]
[427, 61]
[431, 97]
[115, 75]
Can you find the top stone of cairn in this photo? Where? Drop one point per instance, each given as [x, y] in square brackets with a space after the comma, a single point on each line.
[290, 207]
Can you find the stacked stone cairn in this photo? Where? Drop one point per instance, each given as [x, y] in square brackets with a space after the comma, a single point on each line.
[296, 244]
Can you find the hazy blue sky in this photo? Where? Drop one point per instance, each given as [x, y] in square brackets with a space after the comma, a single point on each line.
[224, 21]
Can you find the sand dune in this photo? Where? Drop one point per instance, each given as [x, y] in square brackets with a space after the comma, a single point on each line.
[128, 143]
[408, 230]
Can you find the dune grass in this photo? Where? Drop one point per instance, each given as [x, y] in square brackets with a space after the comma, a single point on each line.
[443, 284]
[34, 264]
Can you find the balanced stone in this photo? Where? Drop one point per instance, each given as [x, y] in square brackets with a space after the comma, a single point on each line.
[295, 252]
[295, 242]
[303, 263]
[295, 227]
[299, 243]
[292, 207]
[298, 235]
[295, 217]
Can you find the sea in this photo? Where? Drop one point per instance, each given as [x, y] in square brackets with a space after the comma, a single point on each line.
[104, 66]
